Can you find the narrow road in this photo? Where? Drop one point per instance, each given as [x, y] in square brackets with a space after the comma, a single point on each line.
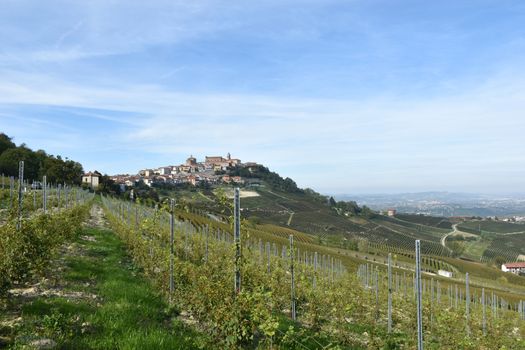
[290, 219]
[444, 238]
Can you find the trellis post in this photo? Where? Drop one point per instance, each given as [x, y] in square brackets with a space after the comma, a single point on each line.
[172, 239]
[419, 302]
[389, 326]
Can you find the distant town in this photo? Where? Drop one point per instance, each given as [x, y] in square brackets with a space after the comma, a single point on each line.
[213, 170]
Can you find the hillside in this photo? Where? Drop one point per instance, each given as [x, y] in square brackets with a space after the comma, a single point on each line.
[340, 252]
[345, 225]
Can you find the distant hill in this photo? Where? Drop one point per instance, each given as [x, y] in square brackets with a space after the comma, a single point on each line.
[447, 204]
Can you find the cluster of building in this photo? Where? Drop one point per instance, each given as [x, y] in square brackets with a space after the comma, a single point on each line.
[212, 171]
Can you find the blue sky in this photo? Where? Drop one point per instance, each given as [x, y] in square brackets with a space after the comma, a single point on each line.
[342, 96]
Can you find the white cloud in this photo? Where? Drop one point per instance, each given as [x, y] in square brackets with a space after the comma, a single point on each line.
[452, 136]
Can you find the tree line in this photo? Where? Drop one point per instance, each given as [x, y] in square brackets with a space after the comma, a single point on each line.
[37, 163]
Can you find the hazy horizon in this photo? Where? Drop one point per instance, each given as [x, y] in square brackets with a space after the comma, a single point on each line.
[343, 97]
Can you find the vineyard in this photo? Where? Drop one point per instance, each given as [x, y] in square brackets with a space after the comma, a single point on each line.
[492, 226]
[509, 247]
[432, 221]
[262, 286]
[34, 224]
[291, 297]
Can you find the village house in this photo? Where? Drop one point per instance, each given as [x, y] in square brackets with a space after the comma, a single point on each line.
[237, 179]
[164, 170]
[92, 179]
[515, 268]
[192, 171]
[194, 180]
[148, 181]
[185, 168]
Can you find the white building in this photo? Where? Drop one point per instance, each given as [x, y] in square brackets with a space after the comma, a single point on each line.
[92, 179]
[391, 212]
[516, 268]
[445, 273]
[164, 171]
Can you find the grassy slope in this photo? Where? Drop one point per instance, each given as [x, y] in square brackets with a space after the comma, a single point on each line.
[126, 314]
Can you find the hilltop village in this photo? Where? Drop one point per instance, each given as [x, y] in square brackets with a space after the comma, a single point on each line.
[213, 170]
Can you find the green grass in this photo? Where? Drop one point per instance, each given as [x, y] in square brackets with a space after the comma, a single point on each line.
[126, 314]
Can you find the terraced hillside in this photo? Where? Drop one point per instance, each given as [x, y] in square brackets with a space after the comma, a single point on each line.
[311, 216]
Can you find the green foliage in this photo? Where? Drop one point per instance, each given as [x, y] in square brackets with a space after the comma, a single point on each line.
[457, 248]
[9, 162]
[274, 180]
[347, 208]
[368, 213]
[58, 170]
[108, 186]
[335, 314]
[5, 142]
[37, 164]
[27, 251]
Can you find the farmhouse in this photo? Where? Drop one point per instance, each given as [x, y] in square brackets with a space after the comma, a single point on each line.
[391, 212]
[516, 268]
[91, 178]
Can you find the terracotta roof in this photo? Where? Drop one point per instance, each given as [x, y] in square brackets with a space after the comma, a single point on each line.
[515, 265]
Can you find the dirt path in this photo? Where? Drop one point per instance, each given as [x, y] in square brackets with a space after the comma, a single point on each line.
[97, 218]
[444, 238]
[92, 297]
[50, 285]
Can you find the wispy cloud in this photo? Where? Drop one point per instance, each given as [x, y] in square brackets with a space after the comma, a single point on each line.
[67, 33]
[452, 136]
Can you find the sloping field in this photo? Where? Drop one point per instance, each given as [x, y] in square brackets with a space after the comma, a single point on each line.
[490, 226]
[433, 221]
